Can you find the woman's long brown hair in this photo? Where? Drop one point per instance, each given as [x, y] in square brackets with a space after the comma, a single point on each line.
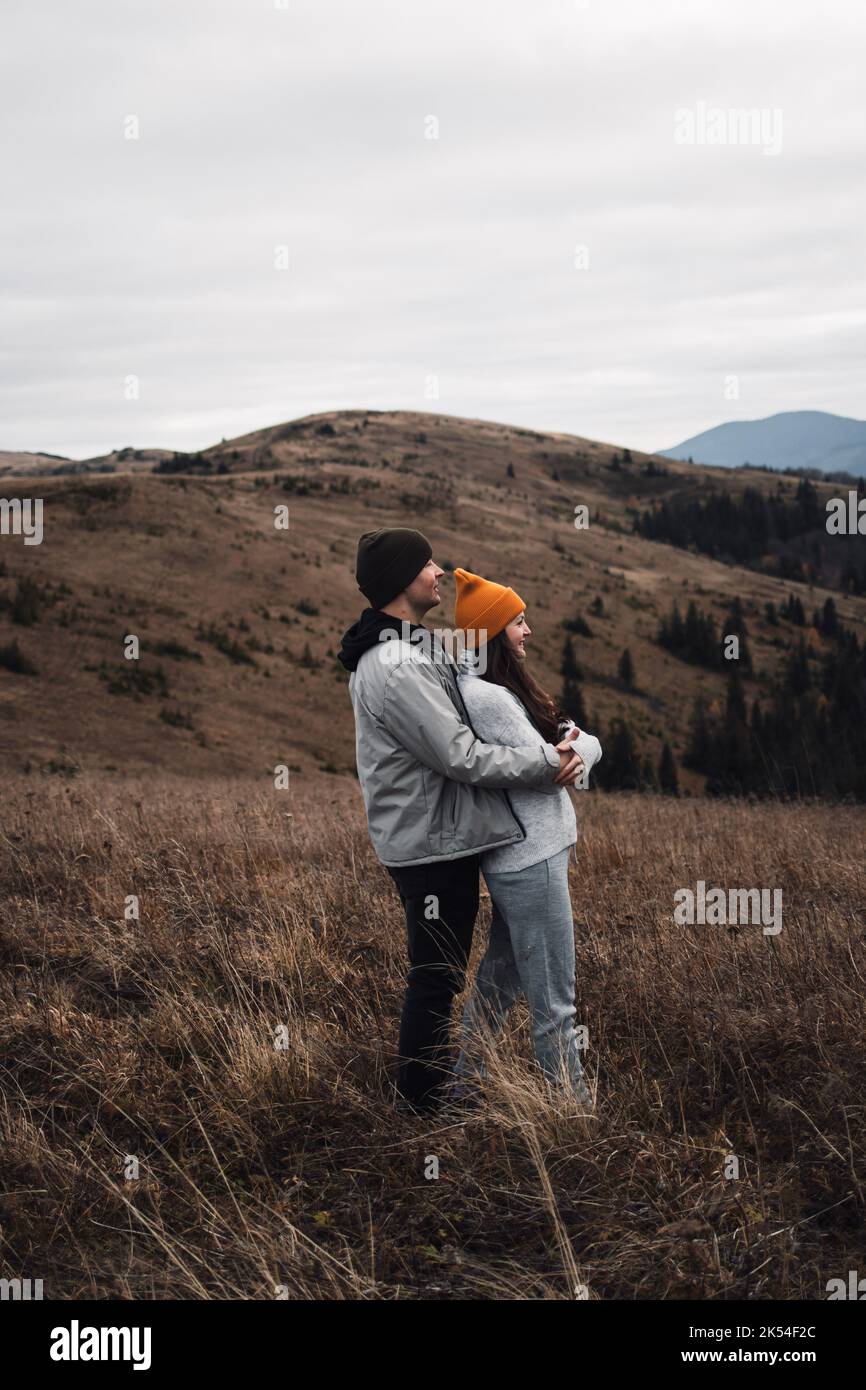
[504, 668]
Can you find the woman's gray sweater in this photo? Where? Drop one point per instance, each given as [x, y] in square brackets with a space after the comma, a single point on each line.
[547, 815]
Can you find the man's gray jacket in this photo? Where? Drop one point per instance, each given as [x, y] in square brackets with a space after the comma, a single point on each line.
[431, 788]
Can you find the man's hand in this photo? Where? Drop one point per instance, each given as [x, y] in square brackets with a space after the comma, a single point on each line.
[570, 763]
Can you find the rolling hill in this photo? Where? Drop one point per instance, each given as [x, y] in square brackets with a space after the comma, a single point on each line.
[239, 622]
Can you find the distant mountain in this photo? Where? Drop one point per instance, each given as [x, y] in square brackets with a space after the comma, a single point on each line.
[793, 439]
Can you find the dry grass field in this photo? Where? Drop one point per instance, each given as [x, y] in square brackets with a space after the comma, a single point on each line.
[235, 1047]
[197, 1100]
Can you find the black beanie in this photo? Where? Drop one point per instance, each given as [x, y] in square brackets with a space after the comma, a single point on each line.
[388, 561]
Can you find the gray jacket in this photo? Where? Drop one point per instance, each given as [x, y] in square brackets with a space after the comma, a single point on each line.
[431, 788]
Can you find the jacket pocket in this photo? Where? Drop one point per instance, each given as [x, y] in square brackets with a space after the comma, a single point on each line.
[453, 791]
[443, 810]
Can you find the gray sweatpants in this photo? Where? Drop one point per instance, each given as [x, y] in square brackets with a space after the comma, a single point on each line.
[531, 952]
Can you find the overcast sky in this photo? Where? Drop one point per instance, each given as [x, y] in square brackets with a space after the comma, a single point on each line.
[419, 264]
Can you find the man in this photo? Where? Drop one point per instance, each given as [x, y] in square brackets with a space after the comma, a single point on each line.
[435, 795]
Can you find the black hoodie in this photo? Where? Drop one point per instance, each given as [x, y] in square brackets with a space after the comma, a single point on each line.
[365, 633]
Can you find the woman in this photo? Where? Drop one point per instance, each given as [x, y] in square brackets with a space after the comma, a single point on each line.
[531, 949]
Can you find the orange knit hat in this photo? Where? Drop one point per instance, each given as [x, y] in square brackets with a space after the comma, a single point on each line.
[482, 604]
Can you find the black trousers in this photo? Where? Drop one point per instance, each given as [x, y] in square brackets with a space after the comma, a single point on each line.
[440, 901]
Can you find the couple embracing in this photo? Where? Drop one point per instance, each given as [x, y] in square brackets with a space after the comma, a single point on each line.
[464, 767]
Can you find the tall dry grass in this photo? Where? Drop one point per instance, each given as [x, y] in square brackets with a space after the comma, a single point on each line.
[266, 1169]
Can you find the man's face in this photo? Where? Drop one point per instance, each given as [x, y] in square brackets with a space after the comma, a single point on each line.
[423, 592]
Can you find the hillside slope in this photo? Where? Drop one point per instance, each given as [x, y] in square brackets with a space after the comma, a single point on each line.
[239, 622]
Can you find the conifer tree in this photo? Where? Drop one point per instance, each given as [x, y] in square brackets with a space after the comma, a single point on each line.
[626, 669]
[667, 774]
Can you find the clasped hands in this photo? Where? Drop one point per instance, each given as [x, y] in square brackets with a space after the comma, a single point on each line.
[571, 764]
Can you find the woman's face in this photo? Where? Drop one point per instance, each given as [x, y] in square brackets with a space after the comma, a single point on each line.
[516, 634]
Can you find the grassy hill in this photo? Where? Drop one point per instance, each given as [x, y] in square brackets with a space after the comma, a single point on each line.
[238, 621]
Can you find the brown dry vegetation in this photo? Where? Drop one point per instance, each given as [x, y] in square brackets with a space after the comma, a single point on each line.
[262, 1167]
[178, 560]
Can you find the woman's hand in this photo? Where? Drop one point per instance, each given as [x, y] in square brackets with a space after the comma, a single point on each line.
[571, 764]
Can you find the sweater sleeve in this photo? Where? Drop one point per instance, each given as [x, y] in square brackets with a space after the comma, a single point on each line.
[419, 714]
[499, 717]
[589, 748]
[507, 721]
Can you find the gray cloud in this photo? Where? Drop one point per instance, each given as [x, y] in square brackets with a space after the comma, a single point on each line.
[411, 257]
